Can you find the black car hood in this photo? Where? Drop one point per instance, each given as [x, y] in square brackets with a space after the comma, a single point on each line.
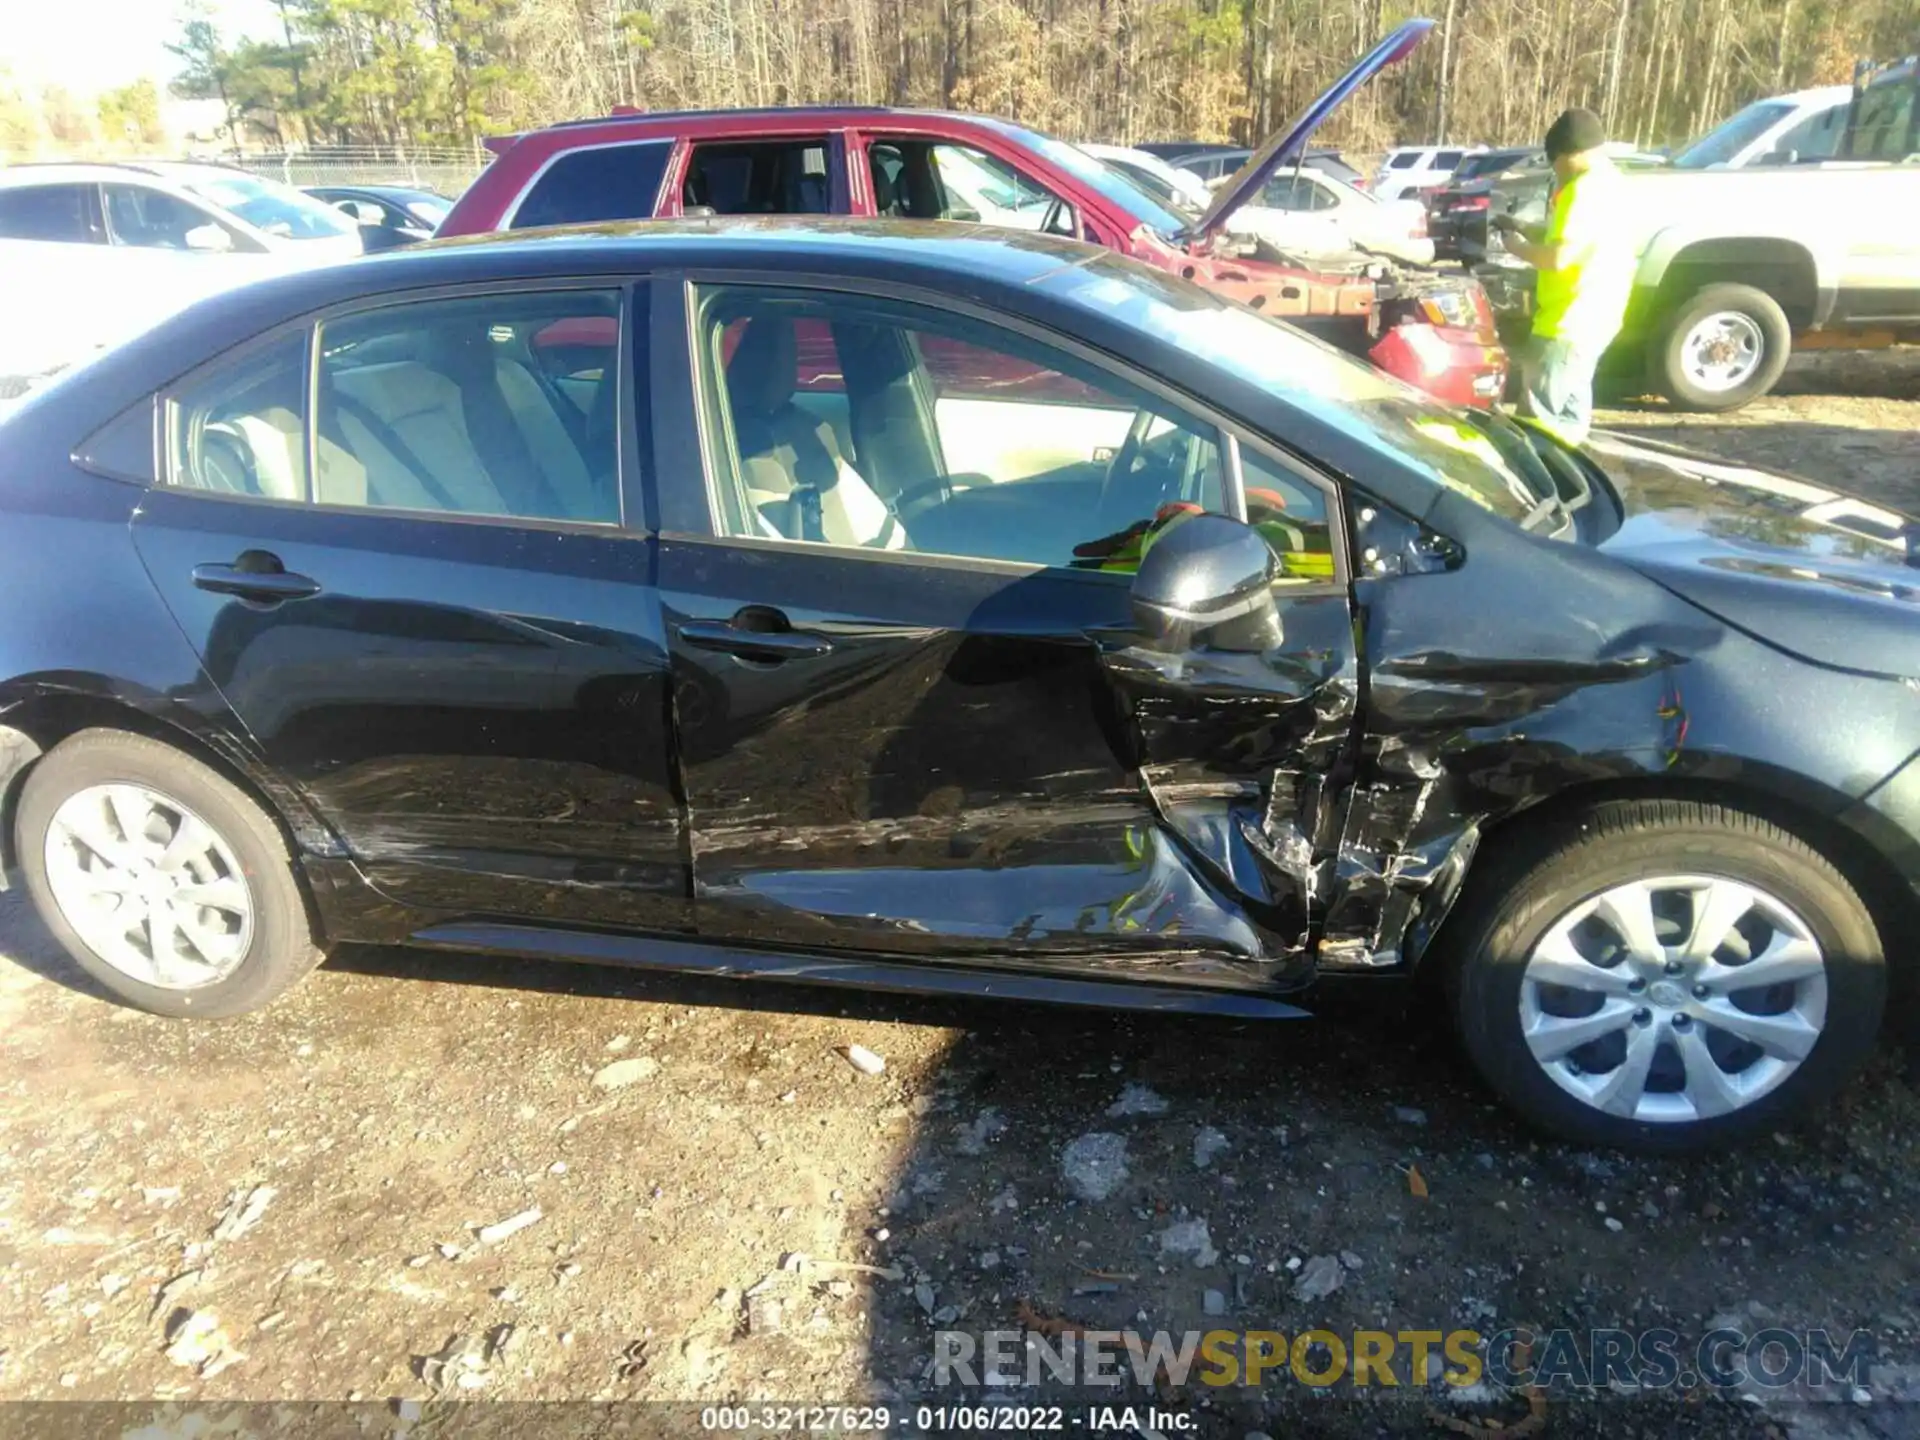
[1825, 575]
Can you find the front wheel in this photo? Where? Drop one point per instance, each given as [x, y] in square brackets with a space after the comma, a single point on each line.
[1721, 347]
[1666, 976]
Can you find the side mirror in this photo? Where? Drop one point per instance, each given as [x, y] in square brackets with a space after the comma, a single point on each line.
[1207, 581]
[210, 238]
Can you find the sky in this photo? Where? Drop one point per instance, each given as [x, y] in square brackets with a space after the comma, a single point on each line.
[94, 45]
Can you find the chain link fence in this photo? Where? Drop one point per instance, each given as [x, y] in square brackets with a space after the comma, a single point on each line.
[448, 170]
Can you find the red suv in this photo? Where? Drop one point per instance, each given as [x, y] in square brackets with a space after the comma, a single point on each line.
[1434, 330]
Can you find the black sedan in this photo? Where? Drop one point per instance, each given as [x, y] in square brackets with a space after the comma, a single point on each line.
[389, 216]
[941, 607]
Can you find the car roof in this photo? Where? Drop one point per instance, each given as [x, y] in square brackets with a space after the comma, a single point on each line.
[68, 172]
[385, 192]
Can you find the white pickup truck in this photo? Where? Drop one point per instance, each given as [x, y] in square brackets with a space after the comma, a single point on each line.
[1739, 267]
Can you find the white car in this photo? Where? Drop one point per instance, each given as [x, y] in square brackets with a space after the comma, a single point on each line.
[93, 254]
[1799, 128]
[1412, 168]
[1303, 212]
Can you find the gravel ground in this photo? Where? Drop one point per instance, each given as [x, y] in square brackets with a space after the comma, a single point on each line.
[296, 1204]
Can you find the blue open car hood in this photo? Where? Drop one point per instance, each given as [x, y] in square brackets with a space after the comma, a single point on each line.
[1292, 141]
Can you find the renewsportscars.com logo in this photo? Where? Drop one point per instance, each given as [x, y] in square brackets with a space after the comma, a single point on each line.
[1552, 1360]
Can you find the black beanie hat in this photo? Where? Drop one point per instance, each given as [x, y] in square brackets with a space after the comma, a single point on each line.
[1574, 131]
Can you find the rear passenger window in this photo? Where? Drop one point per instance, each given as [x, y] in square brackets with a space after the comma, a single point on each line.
[495, 405]
[604, 182]
[1448, 160]
[1405, 160]
[241, 429]
[781, 177]
[50, 212]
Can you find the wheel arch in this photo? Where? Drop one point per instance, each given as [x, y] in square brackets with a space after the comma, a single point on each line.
[1784, 269]
[1874, 874]
[34, 726]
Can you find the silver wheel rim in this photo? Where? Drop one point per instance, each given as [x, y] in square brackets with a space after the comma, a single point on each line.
[149, 886]
[1723, 350]
[1674, 999]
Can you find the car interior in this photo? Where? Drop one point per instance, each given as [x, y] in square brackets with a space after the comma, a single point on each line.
[766, 177]
[863, 463]
[456, 408]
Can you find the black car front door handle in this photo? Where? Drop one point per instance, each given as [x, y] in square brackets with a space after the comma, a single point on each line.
[725, 636]
[255, 575]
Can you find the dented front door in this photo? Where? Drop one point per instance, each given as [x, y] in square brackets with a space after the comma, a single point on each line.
[1247, 757]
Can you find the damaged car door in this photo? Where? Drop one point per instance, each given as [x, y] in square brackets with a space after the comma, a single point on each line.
[924, 707]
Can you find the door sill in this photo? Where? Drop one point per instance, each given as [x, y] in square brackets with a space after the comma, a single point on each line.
[928, 978]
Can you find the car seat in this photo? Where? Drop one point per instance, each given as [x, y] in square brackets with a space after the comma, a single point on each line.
[798, 483]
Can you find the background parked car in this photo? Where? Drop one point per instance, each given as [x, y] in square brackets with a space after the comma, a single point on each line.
[1435, 331]
[90, 254]
[1468, 194]
[1304, 213]
[1219, 162]
[1412, 168]
[388, 215]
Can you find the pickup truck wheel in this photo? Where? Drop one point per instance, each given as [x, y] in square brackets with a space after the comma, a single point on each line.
[1722, 347]
[1666, 975]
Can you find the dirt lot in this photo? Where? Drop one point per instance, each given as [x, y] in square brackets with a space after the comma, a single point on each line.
[312, 1185]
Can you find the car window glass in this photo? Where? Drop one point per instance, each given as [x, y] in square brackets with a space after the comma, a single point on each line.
[241, 428]
[490, 405]
[155, 220]
[362, 212]
[1405, 160]
[787, 177]
[855, 422]
[1815, 138]
[1447, 159]
[1882, 132]
[604, 182]
[1296, 192]
[1291, 514]
[49, 212]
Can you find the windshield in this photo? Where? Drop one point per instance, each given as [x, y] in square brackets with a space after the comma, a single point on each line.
[1491, 461]
[429, 210]
[1096, 175]
[1726, 140]
[269, 206]
[1156, 187]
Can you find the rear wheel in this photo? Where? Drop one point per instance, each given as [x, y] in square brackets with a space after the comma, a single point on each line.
[1666, 975]
[165, 882]
[1724, 346]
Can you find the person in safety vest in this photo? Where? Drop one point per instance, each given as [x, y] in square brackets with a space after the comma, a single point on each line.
[1585, 262]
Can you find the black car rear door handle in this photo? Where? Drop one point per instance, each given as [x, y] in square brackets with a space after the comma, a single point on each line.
[263, 584]
[725, 636]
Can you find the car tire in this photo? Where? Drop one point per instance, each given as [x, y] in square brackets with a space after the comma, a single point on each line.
[235, 924]
[1514, 930]
[1721, 347]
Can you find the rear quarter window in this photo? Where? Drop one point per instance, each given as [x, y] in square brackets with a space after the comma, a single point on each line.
[603, 182]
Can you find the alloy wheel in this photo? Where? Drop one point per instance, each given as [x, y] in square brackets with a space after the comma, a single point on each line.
[150, 886]
[1674, 999]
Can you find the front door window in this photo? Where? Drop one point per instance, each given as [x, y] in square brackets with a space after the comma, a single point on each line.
[854, 422]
